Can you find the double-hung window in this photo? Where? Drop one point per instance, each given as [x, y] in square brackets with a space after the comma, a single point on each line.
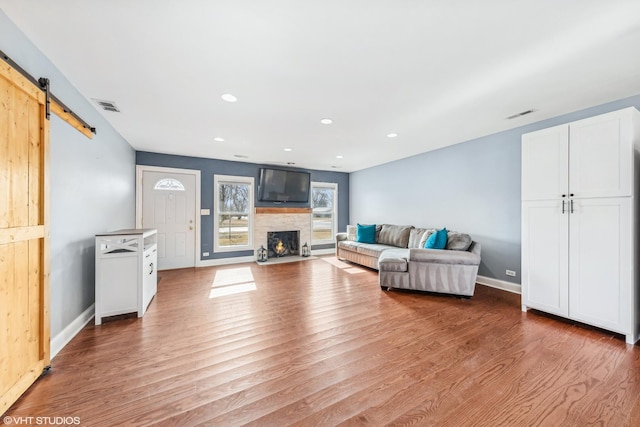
[324, 205]
[233, 213]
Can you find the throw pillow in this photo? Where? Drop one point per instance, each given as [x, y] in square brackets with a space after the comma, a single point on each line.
[366, 233]
[437, 240]
[351, 232]
[425, 236]
[458, 241]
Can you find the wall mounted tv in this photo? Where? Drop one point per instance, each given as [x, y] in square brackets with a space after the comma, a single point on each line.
[276, 185]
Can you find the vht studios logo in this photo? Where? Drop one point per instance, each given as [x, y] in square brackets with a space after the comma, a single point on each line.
[41, 421]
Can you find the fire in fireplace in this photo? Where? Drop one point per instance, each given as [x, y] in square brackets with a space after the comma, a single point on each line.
[283, 243]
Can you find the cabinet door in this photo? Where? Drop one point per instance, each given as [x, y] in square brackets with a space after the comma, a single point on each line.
[601, 156]
[600, 267]
[544, 163]
[545, 256]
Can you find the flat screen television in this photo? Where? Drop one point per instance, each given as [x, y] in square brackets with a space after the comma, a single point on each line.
[276, 185]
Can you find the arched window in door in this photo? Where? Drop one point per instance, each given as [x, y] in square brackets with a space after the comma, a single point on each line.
[169, 184]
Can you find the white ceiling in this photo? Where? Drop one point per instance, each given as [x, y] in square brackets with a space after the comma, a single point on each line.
[434, 72]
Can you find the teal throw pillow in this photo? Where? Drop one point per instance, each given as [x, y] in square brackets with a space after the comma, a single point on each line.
[366, 233]
[437, 240]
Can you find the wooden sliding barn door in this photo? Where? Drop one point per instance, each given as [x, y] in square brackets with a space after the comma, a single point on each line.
[24, 235]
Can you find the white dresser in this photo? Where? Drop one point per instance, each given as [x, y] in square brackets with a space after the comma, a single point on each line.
[126, 272]
[580, 221]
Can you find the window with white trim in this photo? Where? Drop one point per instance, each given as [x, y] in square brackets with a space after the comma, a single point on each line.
[324, 205]
[232, 213]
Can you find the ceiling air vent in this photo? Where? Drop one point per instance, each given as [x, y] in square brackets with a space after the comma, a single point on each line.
[524, 113]
[107, 105]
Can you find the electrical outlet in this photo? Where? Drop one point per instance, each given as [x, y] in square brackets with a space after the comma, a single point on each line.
[511, 273]
[205, 253]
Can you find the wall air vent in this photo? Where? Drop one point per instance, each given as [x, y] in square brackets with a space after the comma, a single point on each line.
[107, 105]
[524, 113]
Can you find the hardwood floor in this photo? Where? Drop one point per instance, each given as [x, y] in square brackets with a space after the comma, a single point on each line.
[318, 343]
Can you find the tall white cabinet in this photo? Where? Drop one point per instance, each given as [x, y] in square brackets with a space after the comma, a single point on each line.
[579, 221]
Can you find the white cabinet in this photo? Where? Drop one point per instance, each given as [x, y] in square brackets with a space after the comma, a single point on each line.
[579, 254]
[126, 272]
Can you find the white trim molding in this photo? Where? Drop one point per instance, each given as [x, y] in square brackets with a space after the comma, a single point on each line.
[499, 284]
[329, 251]
[334, 213]
[195, 172]
[225, 261]
[59, 341]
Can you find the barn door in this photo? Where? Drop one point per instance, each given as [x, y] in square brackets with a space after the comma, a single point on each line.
[24, 235]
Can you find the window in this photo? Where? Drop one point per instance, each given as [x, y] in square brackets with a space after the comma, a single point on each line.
[324, 203]
[233, 213]
[169, 184]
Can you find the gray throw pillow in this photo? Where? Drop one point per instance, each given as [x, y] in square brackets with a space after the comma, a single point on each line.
[458, 241]
[414, 237]
[351, 232]
[394, 235]
[427, 233]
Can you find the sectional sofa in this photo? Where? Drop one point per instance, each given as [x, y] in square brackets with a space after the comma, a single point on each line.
[403, 263]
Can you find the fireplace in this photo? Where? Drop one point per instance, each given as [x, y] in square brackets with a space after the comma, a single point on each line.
[283, 243]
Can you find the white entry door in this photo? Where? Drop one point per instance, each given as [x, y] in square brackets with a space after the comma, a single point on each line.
[169, 205]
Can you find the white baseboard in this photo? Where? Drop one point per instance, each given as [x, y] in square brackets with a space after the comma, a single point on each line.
[499, 284]
[59, 341]
[329, 251]
[225, 261]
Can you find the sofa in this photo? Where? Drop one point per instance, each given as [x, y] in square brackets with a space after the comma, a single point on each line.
[403, 263]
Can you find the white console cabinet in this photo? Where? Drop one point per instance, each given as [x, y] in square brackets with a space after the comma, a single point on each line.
[126, 272]
[580, 223]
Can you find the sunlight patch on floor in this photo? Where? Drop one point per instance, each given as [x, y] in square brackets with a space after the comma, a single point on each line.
[232, 281]
[232, 290]
[346, 266]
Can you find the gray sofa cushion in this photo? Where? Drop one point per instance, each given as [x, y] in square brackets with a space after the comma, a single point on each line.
[393, 260]
[437, 256]
[458, 241]
[372, 249]
[349, 245]
[394, 235]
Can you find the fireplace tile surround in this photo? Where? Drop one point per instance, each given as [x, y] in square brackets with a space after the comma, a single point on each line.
[281, 219]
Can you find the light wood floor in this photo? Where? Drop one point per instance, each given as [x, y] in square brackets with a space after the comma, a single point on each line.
[318, 343]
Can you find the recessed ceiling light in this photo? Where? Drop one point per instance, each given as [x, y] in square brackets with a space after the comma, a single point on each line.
[392, 135]
[338, 157]
[288, 149]
[326, 121]
[218, 139]
[228, 97]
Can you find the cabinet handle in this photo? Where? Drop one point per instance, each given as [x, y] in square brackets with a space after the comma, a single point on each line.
[151, 265]
[571, 206]
[563, 206]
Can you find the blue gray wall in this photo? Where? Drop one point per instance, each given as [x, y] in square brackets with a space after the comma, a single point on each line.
[210, 167]
[92, 185]
[473, 187]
